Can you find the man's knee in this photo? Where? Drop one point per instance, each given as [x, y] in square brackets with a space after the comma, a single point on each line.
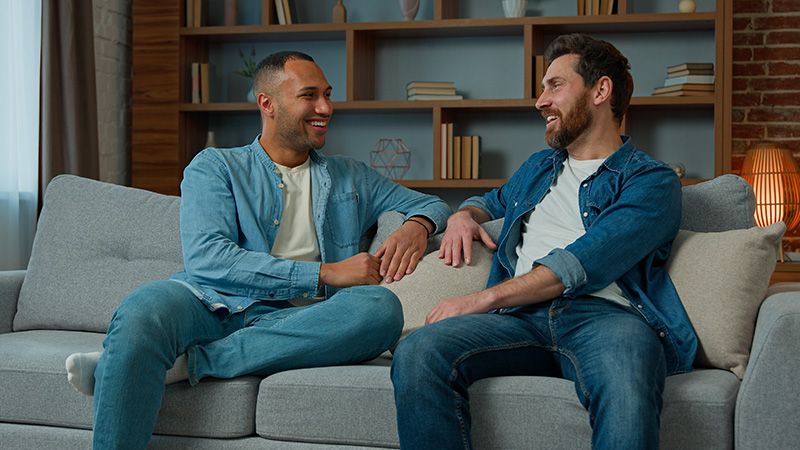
[152, 306]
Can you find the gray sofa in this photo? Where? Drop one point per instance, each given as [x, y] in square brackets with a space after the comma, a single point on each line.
[96, 242]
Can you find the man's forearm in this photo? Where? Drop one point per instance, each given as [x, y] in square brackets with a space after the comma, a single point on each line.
[477, 214]
[538, 285]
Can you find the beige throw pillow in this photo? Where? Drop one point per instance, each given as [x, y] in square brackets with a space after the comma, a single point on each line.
[433, 281]
[722, 279]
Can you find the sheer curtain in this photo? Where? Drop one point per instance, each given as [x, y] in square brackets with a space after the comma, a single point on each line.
[20, 52]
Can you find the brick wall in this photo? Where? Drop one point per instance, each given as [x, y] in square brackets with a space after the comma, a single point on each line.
[766, 78]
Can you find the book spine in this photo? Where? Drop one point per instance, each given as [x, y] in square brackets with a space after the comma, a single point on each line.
[443, 152]
[476, 156]
[457, 157]
[204, 78]
[466, 157]
[195, 82]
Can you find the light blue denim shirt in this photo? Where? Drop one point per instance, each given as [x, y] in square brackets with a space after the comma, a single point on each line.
[231, 206]
[631, 210]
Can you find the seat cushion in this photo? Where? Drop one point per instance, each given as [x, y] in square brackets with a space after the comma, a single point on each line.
[355, 405]
[36, 391]
[95, 243]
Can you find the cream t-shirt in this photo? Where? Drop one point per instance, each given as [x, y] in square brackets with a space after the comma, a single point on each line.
[297, 237]
[556, 222]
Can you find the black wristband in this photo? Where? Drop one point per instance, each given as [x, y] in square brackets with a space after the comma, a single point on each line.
[411, 219]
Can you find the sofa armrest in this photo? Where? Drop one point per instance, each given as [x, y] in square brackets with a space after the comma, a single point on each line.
[769, 396]
[10, 284]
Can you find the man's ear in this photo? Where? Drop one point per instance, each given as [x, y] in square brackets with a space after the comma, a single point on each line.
[603, 89]
[266, 103]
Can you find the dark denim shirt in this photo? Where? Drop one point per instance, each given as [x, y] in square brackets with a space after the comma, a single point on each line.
[231, 206]
[631, 210]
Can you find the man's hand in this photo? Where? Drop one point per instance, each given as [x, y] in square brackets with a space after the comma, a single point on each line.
[462, 229]
[401, 251]
[476, 303]
[362, 268]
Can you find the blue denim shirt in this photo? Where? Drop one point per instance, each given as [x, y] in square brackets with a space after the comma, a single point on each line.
[231, 206]
[631, 210]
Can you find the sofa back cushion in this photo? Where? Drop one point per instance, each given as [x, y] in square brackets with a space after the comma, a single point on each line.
[95, 243]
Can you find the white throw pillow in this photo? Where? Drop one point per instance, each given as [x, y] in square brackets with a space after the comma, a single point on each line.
[433, 281]
[722, 279]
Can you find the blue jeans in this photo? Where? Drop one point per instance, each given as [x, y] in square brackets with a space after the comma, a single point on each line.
[611, 354]
[162, 320]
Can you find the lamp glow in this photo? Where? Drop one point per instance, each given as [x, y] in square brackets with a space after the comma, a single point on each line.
[772, 171]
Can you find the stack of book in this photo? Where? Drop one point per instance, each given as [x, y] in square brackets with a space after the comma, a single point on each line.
[432, 90]
[596, 7]
[460, 157]
[688, 79]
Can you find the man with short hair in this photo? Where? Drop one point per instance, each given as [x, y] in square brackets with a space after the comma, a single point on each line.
[578, 286]
[273, 276]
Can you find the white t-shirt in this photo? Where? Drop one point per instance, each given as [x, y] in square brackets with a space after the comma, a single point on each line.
[297, 237]
[556, 222]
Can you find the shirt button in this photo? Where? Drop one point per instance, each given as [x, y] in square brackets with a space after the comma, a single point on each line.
[639, 306]
[585, 184]
[305, 294]
[276, 222]
[661, 334]
[281, 185]
[239, 308]
[585, 214]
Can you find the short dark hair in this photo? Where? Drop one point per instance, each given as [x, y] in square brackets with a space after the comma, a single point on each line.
[597, 58]
[272, 65]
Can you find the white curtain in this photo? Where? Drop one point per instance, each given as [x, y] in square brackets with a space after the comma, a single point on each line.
[20, 50]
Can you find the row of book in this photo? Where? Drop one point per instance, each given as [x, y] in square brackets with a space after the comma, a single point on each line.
[460, 158]
[688, 79]
[287, 14]
[432, 90]
[201, 76]
[596, 7]
[196, 13]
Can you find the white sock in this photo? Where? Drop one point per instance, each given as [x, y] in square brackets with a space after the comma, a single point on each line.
[180, 371]
[81, 367]
[80, 371]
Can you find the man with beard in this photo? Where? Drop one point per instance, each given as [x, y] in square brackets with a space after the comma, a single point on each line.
[273, 277]
[578, 287]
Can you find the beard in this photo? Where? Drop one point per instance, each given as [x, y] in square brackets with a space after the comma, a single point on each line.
[293, 133]
[572, 125]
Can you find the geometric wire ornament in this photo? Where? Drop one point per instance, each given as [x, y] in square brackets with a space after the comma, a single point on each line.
[390, 157]
[772, 171]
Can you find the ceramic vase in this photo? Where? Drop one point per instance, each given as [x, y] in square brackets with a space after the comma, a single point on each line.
[409, 9]
[251, 96]
[687, 6]
[515, 8]
[339, 14]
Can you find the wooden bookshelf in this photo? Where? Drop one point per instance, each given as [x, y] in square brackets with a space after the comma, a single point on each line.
[167, 129]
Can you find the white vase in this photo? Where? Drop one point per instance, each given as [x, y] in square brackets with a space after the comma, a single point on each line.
[687, 6]
[409, 9]
[515, 8]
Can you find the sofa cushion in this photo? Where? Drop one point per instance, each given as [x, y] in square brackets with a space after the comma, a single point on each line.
[433, 280]
[36, 391]
[355, 405]
[722, 279]
[724, 203]
[95, 243]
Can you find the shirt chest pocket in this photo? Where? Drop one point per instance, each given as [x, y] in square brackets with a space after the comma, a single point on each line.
[343, 219]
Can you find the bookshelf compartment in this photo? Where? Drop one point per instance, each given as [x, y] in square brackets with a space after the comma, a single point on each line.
[369, 59]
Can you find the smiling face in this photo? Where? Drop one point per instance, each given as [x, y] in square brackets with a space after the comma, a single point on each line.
[303, 107]
[565, 103]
